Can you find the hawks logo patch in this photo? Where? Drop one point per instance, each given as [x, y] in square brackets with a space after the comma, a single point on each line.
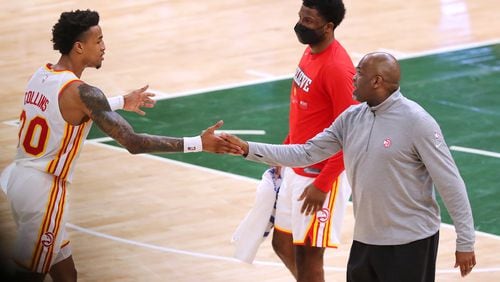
[387, 142]
[438, 139]
[47, 239]
[323, 215]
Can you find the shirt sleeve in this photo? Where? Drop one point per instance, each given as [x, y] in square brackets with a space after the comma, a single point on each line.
[315, 150]
[287, 139]
[338, 85]
[433, 151]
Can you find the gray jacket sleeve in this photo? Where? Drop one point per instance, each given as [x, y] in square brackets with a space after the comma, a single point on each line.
[437, 158]
[319, 148]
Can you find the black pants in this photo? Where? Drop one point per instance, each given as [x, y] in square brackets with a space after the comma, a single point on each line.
[412, 262]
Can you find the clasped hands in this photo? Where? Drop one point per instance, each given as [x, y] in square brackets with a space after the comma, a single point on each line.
[222, 143]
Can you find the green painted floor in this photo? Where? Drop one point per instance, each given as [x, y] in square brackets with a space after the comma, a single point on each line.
[460, 89]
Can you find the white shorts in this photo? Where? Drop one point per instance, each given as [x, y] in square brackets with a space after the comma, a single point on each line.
[324, 228]
[38, 202]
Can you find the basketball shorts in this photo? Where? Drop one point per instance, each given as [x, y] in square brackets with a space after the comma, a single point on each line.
[38, 202]
[323, 229]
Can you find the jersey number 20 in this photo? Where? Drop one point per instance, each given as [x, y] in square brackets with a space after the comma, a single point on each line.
[36, 134]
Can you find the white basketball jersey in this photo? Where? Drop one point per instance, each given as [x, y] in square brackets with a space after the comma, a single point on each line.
[46, 141]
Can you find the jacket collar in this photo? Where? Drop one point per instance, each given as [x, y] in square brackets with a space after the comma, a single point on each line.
[391, 100]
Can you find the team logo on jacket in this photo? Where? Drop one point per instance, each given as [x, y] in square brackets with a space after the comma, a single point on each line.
[387, 142]
[438, 139]
[323, 215]
[47, 239]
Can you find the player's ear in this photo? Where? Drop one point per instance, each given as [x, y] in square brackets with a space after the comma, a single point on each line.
[377, 81]
[78, 47]
[330, 25]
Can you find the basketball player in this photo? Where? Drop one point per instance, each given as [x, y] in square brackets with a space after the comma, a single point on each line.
[58, 111]
[321, 90]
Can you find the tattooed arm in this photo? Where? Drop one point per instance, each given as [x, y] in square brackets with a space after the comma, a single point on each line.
[119, 129]
[95, 106]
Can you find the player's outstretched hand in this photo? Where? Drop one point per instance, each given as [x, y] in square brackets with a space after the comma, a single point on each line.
[215, 144]
[236, 141]
[138, 99]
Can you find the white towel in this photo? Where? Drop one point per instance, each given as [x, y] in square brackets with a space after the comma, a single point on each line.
[259, 221]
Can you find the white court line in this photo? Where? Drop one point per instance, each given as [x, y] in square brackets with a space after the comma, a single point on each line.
[484, 234]
[224, 258]
[13, 122]
[449, 49]
[395, 53]
[475, 151]
[100, 140]
[242, 132]
[259, 74]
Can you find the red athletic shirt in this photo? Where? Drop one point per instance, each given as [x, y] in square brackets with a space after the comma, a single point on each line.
[321, 90]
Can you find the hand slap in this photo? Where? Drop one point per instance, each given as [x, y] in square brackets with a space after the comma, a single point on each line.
[236, 141]
[215, 144]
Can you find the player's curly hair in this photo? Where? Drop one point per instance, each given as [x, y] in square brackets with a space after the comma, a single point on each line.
[70, 27]
[331, 10]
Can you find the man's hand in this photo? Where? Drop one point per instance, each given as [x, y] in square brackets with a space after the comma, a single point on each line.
[236, 141]
[313, 200]
[138, 99]
[215, 144]
[466, 261]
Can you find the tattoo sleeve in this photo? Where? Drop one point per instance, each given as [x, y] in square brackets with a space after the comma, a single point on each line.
[119, 129]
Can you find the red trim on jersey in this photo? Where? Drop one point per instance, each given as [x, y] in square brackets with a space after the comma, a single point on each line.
[68, 132]
[66, 86]
[50, 68]
[73, 151]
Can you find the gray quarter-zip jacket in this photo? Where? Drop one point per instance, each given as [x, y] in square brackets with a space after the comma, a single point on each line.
[394, 154]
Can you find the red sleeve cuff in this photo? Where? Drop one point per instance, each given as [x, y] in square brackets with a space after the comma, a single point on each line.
[330, 172]
[323, 185]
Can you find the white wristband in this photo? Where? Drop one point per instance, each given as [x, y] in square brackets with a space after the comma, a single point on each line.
[192, 144]
[116, 103]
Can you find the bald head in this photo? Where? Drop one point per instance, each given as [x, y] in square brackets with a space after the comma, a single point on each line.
[377, 77]
[384, 65]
